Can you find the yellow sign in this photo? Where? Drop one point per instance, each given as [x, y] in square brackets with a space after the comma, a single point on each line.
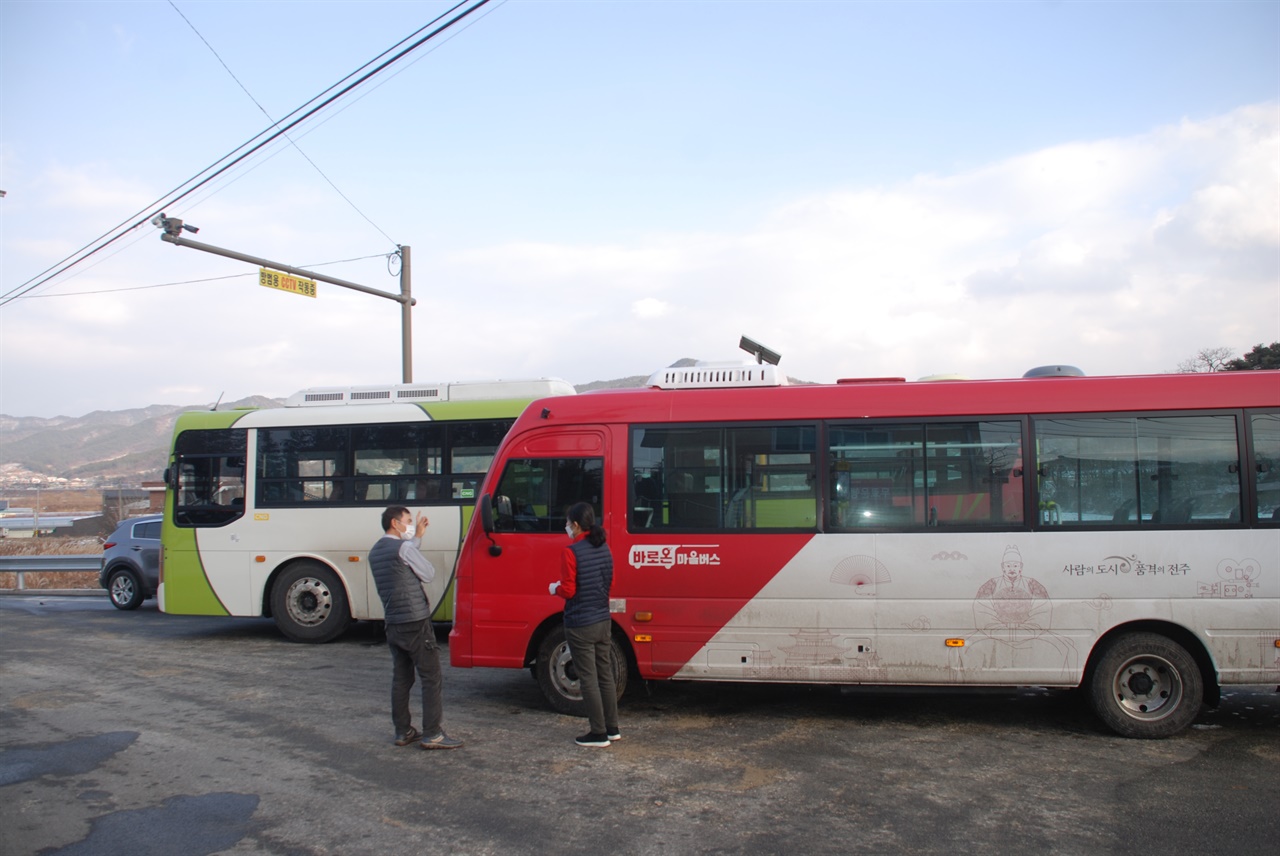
[285, 282]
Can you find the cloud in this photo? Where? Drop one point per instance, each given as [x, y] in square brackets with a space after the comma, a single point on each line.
[1114, 254]
[649, 308]
[1120, 255]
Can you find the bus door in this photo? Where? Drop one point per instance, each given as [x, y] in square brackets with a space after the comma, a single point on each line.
[540, 476]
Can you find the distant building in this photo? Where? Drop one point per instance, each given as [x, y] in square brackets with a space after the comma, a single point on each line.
[45, 525]
[123, 503]
[155, 498]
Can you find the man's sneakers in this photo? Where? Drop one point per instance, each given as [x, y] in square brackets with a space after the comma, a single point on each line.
[441, 741]
[613, 735]
[593, 739]
[410, 736]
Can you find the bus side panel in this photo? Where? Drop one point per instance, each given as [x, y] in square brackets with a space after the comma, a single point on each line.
[184, 585]
[691, 585]
[340, 538]
[999, 608]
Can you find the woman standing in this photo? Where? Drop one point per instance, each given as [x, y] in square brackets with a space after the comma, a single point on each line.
[586, 573]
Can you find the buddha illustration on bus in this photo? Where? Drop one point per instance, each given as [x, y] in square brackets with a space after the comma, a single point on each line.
[1013, 612]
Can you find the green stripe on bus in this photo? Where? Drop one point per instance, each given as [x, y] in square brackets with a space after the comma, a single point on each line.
[186, 587]
[502, 408]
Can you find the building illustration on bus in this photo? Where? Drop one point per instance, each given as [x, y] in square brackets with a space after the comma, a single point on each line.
[1120, 534]
[272, 512]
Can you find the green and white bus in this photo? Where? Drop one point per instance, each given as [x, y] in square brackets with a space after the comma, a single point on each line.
[272, 512]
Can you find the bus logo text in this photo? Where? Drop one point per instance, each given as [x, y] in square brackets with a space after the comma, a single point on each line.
[670, 555]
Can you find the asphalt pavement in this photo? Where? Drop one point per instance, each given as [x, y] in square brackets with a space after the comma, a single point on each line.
[143, 733]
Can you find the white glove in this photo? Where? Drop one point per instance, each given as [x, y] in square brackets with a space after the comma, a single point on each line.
[553, 588]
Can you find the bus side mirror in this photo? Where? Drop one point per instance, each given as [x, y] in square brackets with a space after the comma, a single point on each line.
[486, 522]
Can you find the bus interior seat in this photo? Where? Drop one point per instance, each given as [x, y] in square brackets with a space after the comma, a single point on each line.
[1180, 512]
[1121, 514]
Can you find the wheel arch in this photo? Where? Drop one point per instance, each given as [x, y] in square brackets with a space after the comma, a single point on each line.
[539, 633]
[1194, 646]
[290, 563]
[556, 620]
[125, 565]
[120, 565]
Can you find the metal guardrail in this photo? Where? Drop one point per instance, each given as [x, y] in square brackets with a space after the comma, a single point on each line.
[21, 565]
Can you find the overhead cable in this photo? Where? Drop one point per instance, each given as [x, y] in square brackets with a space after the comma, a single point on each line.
[178, 194]
[276, 124]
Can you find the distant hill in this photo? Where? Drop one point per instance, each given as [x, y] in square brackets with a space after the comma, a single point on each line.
[127, 447]
[631, 381]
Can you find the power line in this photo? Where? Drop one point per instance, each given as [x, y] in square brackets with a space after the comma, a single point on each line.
[164, 202]
[276, 124]
[132, 287]
[103, 242]
[188, 281]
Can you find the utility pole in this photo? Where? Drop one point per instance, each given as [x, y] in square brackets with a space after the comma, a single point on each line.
[406, 320]
[173, 229]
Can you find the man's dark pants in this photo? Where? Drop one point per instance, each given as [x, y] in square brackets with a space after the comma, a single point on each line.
[414, 650]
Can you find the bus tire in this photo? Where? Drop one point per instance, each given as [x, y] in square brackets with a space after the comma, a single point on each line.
[559, 680]
[309, 603]
[125, 589]
[1146, 685]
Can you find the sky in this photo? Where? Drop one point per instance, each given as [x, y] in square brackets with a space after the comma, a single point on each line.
[592, 190]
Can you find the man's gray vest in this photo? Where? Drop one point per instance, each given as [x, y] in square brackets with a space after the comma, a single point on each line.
[398, 586]
[590, 602]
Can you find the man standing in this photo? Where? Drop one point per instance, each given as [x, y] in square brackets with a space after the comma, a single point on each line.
[401, 573]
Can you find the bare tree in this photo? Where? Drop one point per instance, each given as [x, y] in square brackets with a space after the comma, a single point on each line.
[1207, 360]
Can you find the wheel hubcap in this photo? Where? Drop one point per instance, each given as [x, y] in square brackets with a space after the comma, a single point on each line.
[563, 673]
[121, 589]
[1148, 687]
[309, 602]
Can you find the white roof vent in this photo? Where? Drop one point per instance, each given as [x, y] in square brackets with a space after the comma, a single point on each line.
[425, 392]
[717, 376]
[329, 395]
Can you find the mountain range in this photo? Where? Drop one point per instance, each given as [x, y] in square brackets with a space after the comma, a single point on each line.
[111, 447]
[123, 448]
[126, 447]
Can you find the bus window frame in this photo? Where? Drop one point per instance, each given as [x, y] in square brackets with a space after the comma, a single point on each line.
[1033, 519]
[444, 488]
[1017, 470]
[1243, 449]
[636, 512]
[210, 515]
[1251, 472]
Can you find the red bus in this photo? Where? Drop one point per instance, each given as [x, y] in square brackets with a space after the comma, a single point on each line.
[1120, 534]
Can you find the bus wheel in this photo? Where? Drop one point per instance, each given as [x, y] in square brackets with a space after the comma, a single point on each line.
[309, 603]
[558, 679]
[1146, 685]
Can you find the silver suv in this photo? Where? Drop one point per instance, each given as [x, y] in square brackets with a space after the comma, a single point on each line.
[131, 562]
